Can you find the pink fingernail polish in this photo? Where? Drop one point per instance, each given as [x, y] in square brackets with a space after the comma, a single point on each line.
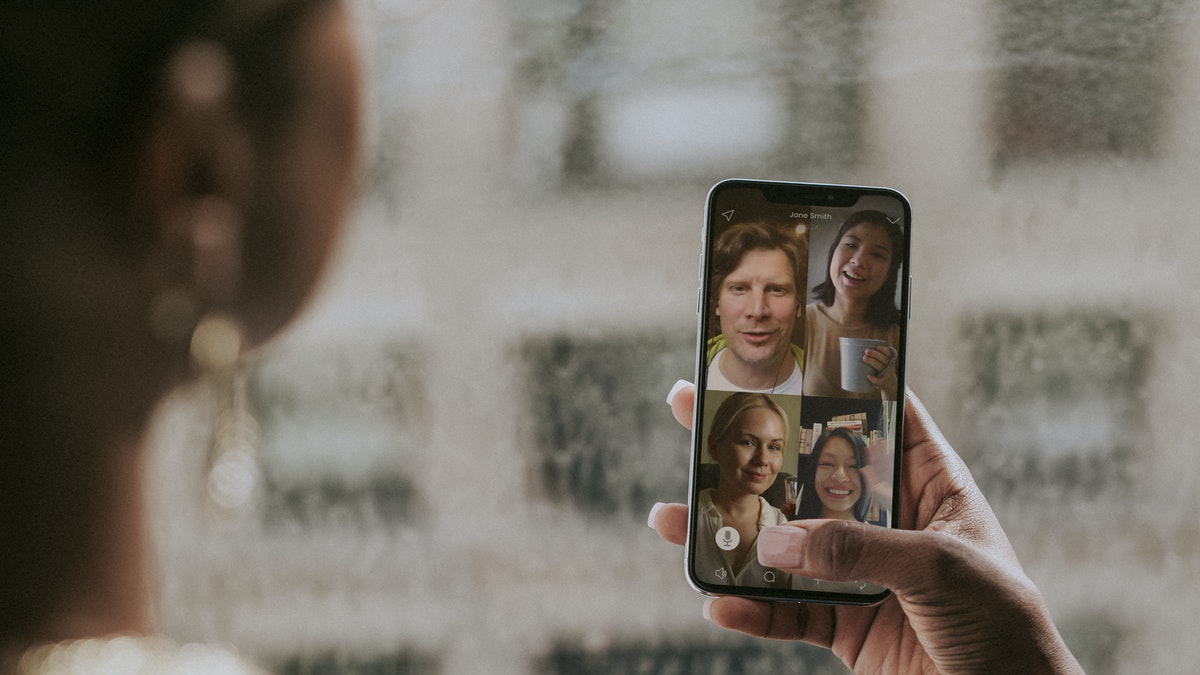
[781, 546]
[678, 386]
[654, 511]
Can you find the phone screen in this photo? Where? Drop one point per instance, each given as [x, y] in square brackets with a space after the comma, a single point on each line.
[800, 376]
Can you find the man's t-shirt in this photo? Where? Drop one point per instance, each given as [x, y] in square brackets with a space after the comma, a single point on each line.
[794, 384]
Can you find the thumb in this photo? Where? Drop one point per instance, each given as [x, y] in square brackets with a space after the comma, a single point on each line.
[842, 550]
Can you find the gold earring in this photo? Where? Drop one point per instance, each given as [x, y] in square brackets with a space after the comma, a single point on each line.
[215, 242]
[216, 343]
[234, 482]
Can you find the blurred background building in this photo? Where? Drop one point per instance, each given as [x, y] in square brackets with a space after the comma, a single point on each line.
[446, 467]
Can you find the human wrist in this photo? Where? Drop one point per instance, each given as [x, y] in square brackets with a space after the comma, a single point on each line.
[1053, 655]
[1058, 658]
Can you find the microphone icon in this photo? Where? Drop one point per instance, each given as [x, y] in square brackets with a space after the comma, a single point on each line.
[727, 538]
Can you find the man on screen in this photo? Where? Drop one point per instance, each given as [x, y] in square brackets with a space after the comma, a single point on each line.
[757, 273]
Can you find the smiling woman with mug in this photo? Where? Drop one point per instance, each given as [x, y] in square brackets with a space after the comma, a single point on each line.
[856, 300]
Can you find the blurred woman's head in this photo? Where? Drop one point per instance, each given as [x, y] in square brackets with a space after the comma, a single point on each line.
[172, 177]
[169, 160]
[747, 439]
[832, 484]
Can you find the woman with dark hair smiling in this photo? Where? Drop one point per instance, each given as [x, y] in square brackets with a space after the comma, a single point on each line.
[857, 299]
[832, 483]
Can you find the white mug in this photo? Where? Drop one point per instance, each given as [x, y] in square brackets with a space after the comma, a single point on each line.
[854, 369]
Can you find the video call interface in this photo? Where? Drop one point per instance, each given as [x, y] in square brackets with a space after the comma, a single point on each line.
[803, 347]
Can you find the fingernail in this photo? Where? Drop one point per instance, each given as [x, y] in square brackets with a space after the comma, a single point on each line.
[675, 389]
[781, 546]
[653, 511]
[706, 609]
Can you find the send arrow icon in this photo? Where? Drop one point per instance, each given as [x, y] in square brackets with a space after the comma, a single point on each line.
[728, 215]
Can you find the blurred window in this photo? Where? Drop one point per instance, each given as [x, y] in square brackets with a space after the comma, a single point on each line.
[625, 92]
[603, 439]
[338, 424]
[336, 663]
[706, 656]
[1080, 78]
[1055, 405]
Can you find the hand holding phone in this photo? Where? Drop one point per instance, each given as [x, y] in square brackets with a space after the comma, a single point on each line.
[801, 356]
[967, 621]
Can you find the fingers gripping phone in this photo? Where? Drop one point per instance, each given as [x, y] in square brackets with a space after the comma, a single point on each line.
[800, 376]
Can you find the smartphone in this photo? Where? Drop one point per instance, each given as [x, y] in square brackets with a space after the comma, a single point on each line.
[803, 308]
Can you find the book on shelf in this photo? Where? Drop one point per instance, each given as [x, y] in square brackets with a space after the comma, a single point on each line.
[805, 442]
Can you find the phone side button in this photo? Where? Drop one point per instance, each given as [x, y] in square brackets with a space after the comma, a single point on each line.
[697, 300]
[910, 293]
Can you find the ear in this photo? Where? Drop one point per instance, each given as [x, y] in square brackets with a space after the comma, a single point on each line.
[714, 446]
[198, 170]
